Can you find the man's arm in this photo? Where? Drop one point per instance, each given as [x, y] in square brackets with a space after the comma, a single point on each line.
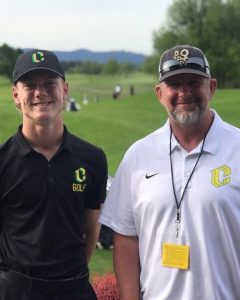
[92, 228]
[126, 265]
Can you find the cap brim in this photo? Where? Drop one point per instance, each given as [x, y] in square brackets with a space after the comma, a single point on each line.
[183, 71]
[35, 69]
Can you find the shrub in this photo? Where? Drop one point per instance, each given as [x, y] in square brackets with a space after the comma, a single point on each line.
[106, 287]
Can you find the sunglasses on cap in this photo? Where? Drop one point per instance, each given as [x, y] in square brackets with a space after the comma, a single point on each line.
[193, 63]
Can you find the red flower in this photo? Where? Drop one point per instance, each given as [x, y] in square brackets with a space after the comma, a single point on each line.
[106, 287]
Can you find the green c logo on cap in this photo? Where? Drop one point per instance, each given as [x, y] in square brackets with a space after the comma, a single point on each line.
[37, 57]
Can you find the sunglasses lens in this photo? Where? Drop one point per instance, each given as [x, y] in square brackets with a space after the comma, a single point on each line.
[195, 63]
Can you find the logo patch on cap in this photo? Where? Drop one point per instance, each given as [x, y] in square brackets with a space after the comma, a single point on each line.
[183, 59]
[37, 57]
[181, 56]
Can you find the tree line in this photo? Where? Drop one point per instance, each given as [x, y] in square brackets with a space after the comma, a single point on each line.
[111, 67]
[8, 56]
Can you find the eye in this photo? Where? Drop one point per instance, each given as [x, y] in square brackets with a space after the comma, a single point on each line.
[195, 82]
[51, 83]
[28, 85]
[173, 84]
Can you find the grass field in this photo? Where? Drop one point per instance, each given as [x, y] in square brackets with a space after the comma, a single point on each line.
[113, 124]
[101, 262]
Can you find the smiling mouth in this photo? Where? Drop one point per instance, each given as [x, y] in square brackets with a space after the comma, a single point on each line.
[42, 104]
[186, 103]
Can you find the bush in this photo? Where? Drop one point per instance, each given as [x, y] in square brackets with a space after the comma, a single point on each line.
[106, 287]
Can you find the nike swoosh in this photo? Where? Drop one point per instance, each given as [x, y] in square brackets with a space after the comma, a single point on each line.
[149, 176]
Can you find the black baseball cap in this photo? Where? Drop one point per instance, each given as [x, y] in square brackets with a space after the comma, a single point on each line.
[37, 60]
[183, 59]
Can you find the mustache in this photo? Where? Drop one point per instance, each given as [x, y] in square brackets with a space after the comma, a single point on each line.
[185, 100]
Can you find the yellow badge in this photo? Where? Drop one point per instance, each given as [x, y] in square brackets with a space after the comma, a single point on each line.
[175, 256]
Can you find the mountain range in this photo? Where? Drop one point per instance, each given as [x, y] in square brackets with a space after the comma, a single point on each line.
[101, 57]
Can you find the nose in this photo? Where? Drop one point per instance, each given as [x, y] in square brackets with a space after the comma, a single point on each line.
[185, 90]
[40, 90]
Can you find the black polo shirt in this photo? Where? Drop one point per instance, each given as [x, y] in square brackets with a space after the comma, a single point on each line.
[42, 204]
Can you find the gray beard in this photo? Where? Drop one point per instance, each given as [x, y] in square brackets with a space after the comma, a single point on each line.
[187, 118]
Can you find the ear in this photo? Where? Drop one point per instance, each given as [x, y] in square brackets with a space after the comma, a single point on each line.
[158, 93]
[213, 86]
[65, 90]
[16, 97]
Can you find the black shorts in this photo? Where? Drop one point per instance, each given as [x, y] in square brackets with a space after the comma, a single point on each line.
[13, 287]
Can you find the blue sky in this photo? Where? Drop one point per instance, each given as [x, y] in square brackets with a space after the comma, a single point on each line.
[97, 25]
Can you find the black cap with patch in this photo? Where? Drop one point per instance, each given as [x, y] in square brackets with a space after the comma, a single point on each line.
[183, 59]
[37, 60]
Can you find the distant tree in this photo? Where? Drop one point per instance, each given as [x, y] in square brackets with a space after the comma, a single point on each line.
[127, 67]
[83, 67]
[150, 64]
[223, 37]
[111, 67]
[90, 67]
[213, 26]
[70, 66]
[8, 57]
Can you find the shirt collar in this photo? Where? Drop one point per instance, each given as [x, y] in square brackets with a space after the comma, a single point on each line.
[214, 136]
[24, 148]
[211, 142]
[65, 140]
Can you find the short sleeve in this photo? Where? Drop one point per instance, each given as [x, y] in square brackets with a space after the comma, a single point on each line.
[97, 192]
[117, 212]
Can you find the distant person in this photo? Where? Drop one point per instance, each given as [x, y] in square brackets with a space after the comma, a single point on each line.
[114, 96]
[131, 90]
[72, 105]
[85, 100]
[117, 92]
[105, 240]
[52, 185]
[174, 203]
[96, 99]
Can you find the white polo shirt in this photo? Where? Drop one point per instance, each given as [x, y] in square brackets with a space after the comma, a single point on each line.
[139, 204]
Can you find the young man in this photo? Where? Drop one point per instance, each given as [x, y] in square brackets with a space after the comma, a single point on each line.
[175, 201]
[52, 185]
